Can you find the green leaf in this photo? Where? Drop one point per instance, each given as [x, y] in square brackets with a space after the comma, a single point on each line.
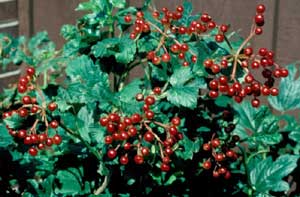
[267, 175]
[93, 5]
[190, 147]
[181, 76]
[257, 126]
[86, 124]
[14, 121]
[5, 138]
[70, 182]
[183, 96]
[118, 3]
[289, 91]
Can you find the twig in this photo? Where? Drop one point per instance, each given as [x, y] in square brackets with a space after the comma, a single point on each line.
[102, 186]
[10, 74]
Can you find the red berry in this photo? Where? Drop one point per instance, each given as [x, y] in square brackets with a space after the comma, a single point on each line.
[227, 175]
[41, 146]
[57, 139]
[103, 121]
[108, 139]
[26, 100]
[215, 142]
[230, 153]
[42, 137]
[165, 57]
[114, 117]
[169, 151]
[237, 86]
[215, 68]
[205, 18]
[110, 127]
[132, 131]
[164, 167]
[223, 80]
[54, 124]
[265, 91]
[132, 36]
[277, 73]
[224, 63]
[127, 146]
[148, 136]
[216, 174]
[255, 65]
[219, 156]
[27, 140]
[182, 30]
[260, 8]
[258, 30]
[124, 160]
[34, 138]
[180, 8]
[249, 78]
[219, 38]
[206, 147]
[173, 130]
[248, 51]
[166, 160]
[30, 71]
[150, 100]
[176, 121]
[284, 72]
[149, 114]
[127, 121]
[185, 63]
[49, 142]
[210, 25]
[33, 151]
[175, 48]
[140, 14]
[111, 153]
[157, 90]
[208, 63]
[184, 47]
[194, 58]
[223, 28]
[274, 91]
[155, 14]
[124, 135]
[138, 159]
[127, 18]
[52, 106]
[222, 170]
[262, 52]
[213, 94]
[259, 19]
[23, 112]
[213, 84]
[206, 165]
[136, 118]
[23, 81]
[145, 151]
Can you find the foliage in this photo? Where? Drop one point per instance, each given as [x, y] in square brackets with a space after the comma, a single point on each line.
[75, 124]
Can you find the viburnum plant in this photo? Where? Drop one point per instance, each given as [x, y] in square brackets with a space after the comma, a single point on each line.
[77, 124]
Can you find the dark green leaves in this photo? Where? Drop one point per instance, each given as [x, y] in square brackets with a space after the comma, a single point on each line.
[257, 125]
[267, 174]
[289, 91]
[185, 86]
[123, 49]
[5, 138]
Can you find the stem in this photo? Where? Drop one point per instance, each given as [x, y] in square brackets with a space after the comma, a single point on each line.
[154, 134]
[102, 186]
[10, 73]
[236, 56]
[257, 153]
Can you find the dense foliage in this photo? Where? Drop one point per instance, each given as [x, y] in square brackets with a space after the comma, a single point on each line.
[76, 124]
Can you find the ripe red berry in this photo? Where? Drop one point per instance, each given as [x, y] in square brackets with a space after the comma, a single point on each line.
[145, 151]
[194, 58]
[33, 151]
[124, 135]
[23, 112]
[205, 18]
[23, 81]
[175, 48]
[216, 174]
[206, 165]
[227, 175]
[184, 47]
[155, 14]
[49, 142]
[179, 8]
[164, 167]
[284, 72]
[138, 159]
[34, 138]
[136, 118]
[206, 147]
[173, 130]
[124, 160]
[127, 18]
[110, 127]
[222, 170]
[208, 63]
[157, 90]
[114, 117]
[255, 65]
[258, 30]
[166, 160]
[274, 91]
[215, 142]
[223, 28]
[169, 151]
[265, 91]
[249, 78]
[260, 8]
[224, 63]
[52, 106]
[166, 57]
[108, 139]
[248, 51]
[30, 71]
[149, 114]
[259, 20]
[54, 124]
[213, 84]
[111, 153]
[219, 157]
[230, 153]
[127, 146]
[42, 137]
[103, 121]
[132, 131]
[27, 140]
[150, 100]
[262, 52]
[176, 121]
[219, 38]
[57, 139]
[26, 100]
[140, 14]
[132, 36]
[213, 94]
[148, 136]
[210, 25]
[215, 68]
[41, 146]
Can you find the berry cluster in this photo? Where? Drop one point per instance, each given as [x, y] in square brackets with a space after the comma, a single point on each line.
[133, 136]
[37, 134]
[221, 154]
[248, 61]
[169, 21]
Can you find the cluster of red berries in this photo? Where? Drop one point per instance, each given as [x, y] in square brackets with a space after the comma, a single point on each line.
[248, 61]
[169, 21]
[222, 153]
[30, 108]
[25, 81]
[136, 134]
